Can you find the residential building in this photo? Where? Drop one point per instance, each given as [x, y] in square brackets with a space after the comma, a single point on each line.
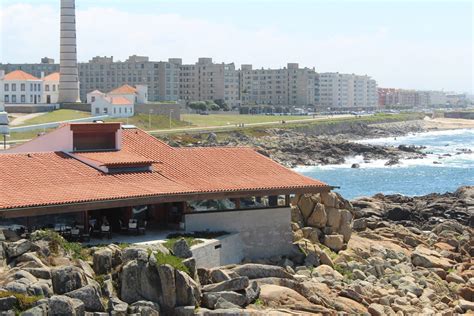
[46, 66]
[335, 90]
[206, 80]
[286, 87]
[123, 173]
[103, 73]
[388, 97]
[51, 88]
[19, 87]
[119, 102]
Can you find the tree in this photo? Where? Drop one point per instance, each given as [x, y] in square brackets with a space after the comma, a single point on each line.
[222, 105]
[212, 106]
[198, 106]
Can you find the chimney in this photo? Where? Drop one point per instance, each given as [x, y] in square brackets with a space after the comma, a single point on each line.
[2, 74]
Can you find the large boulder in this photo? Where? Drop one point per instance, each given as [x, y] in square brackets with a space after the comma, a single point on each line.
[306, 205]
[7, 303]
[319, 217]
[210, 298]
[140, 281]
[428, 258]
[67, 279]
[334, 242]
[102, 261]
[334, 217]
[187, 290]
[17, 248]
[90, 296]
[60, 305]
[168, 287]
[181, 249]
[235, 284]
[145, 308]
[258, 271]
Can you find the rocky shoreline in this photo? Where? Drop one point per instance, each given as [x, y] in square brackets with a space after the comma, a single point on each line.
[384, 255]
[310, 146]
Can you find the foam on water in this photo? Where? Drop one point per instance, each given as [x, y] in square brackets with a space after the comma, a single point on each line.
[411, 176]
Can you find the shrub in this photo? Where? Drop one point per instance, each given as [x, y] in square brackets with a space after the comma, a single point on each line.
[56, 241]
[191, 241]
[24, 302]
[173, 261]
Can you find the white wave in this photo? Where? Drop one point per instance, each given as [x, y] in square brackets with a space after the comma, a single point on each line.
[415, 136]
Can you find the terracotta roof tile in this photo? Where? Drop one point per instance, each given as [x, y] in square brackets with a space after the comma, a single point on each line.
[120, 101]
[55, 76]
[41, 179]
[115, 158]
[125, 89]
[19, 75]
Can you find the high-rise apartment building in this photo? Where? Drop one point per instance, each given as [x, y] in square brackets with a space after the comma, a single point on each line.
[410, 98]
[335, 90]
[105, 74]
[206, 80]
[46, 66]
[290, 86]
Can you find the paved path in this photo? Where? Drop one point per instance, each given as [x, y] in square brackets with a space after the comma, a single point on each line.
[21, 119]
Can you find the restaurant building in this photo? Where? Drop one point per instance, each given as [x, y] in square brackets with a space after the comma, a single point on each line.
[94, 171]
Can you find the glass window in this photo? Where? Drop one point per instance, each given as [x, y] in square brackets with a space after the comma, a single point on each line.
[23, 99]
[46, 87]
[6, 87]
[13, 86]
[23, 87]
[7, 98]
[13, 98]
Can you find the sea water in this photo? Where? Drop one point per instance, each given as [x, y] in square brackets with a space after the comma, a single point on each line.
[434, 174]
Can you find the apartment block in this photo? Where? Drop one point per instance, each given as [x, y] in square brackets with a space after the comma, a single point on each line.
[206, 80]
[104, 74]
[336, 90]
[46, 67]
[410, 98]
[290, 86]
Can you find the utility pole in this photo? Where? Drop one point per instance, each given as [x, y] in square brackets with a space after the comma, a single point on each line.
[149, 118]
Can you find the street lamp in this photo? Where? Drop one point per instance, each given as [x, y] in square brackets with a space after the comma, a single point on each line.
[149, 118]
[171, 111]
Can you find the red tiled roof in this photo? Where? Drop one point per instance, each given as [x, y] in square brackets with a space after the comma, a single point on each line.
[115, 158]
[52, 77]
[41, 179]
[19, 75]
[120, 101]
[125, 89]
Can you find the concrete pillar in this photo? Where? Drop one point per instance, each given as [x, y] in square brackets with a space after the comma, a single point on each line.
[69, 79]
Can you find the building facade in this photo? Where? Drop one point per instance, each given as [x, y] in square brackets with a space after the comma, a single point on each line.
[390, 97]
[46, 66]
[336, 90]
[290, 86]
[206, 80]
[103, 73]
[19, 87]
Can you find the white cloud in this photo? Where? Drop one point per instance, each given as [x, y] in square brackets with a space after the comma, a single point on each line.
[31, 31]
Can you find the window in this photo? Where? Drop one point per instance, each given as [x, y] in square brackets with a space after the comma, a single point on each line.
[39, 99]
[93, 99]
[23, 99]
[46, 88]
[13, 98]
[106, 111]
[13, 86]
[97, 111]
[6, 87]
[115, 110]
[31, 99]
[23, 87]
[7, 98]
[54, 87]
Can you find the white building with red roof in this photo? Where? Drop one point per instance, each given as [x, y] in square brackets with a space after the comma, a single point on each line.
[19, 87]
[119, 102]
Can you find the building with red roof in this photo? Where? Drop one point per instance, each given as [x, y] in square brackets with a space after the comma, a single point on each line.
[102, 170]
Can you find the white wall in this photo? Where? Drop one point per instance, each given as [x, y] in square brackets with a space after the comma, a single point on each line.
[264, 232]
[218, 252]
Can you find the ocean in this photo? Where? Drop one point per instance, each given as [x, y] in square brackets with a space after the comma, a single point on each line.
[412, 176]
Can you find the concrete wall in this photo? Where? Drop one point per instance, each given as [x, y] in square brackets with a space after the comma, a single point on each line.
[30, 108]
[460, 115]
[218, 252]
[160, 109]
[76, 106]
[264, 232]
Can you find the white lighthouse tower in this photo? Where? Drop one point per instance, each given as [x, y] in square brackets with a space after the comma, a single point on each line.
[69, 79]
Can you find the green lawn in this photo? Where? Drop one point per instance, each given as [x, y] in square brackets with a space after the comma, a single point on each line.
[57, 116]
[143, 121]
[233, 119]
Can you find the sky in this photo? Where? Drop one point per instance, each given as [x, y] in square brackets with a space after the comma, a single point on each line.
[418, 44]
